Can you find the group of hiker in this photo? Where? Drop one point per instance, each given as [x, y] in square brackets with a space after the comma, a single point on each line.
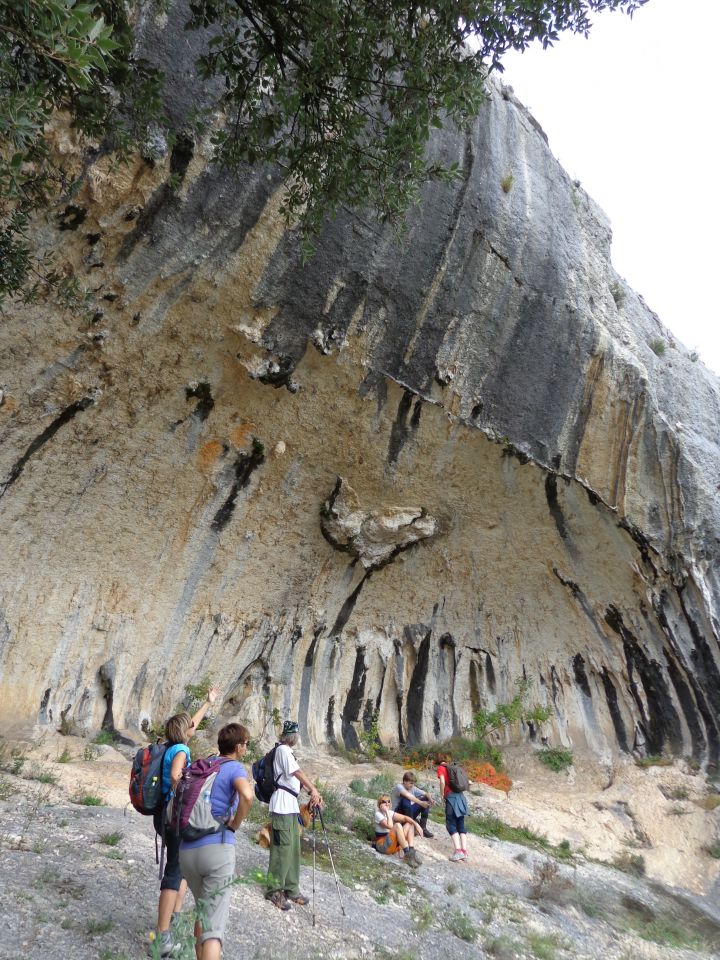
[197, 807]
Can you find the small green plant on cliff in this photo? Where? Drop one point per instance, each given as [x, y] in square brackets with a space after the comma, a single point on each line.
[658, 347]
[713, 850]
[370, 738]
[556, 758]
[104, 738]
[618, 293]
[64, 757]
[488, 723]
[507, 182]
[461, 926]
[632, 863]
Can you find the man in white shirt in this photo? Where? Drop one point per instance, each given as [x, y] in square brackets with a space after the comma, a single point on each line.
[283, 877]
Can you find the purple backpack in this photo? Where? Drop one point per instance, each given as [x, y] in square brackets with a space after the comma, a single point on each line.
[189, 811]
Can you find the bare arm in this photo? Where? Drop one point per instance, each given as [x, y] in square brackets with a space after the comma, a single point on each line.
[315, 799]
[245, 794]
[199, 715]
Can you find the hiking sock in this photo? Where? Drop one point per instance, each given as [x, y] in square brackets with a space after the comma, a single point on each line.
[405, 849]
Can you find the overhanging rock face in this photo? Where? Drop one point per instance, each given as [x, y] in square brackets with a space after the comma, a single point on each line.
[531, 488]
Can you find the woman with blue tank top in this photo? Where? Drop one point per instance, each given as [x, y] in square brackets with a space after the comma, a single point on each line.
[178, 731]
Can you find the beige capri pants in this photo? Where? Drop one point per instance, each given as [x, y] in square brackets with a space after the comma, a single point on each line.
[209, 872]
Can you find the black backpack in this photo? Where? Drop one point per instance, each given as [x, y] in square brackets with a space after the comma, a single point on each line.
[264, 776]
[457, 778]
[263, 771]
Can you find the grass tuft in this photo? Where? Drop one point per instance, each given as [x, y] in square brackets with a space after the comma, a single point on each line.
[461, 926]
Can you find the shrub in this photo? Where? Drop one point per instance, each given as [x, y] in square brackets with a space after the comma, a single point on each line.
[461, 926]
[486, 773]
[363, 828]
[507, 182]
[90, 752]
[105, 738]
[6, 788]
[713, 850]
[503, 948]
[111, 839]
[423, 916]
[556, 758]
[380, 783]
[88, 800]
[370, 738]
[658, 347]
[654, 761]
[333, 810]
[64, 756]
[358, 788]
[544, 945]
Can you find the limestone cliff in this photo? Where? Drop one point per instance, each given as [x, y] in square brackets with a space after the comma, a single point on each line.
[526, 485]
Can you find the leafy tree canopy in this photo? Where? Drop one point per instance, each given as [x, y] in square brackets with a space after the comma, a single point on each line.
[342, 94]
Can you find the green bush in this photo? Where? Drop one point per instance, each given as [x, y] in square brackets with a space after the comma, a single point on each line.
[111, 839]
[632, 863]
[556, 758]
[89, 800]
[658, 347]
[65, 756]
[105, 738]
[461, 926]
[333, 810]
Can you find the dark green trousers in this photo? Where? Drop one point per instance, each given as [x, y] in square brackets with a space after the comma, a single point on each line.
[284, 867]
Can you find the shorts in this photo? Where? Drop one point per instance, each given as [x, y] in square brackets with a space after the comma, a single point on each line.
[452, 823]
[172, 875]
[386, 843]
[209, 872]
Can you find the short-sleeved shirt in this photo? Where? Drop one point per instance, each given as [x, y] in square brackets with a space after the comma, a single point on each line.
[172, 751]
[284, 767]
[442, 769]
[223, 803]
[397, 795]
[380, 817]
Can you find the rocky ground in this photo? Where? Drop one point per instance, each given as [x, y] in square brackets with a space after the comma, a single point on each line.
[78, 878]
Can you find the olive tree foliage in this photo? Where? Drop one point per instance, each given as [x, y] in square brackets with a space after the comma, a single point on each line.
[341, 94]
[60, 56]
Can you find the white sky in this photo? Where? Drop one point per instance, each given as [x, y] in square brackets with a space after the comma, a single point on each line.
[632, 112]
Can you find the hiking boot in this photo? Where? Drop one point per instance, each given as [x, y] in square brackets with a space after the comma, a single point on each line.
[279, 900]
[457, 856]
[297, 898]
[412, 858]
[162, 945]
[427, 834]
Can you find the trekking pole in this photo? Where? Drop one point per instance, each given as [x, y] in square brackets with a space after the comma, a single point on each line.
[332, 862]
[313, 880]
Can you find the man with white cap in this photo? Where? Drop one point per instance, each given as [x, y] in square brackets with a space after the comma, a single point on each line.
[283, 877]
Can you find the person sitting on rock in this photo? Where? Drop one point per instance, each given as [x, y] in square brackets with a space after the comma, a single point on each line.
[410, 800]
[395, 832]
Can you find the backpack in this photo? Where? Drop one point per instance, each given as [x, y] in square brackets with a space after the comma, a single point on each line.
[264, 776]
[189, 812]
[263, 771]
[457, 778]
[146, 779]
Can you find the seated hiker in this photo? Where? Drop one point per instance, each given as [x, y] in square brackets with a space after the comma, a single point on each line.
[409, 799]
[395, 832]
[209, 863]
[179, 729]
